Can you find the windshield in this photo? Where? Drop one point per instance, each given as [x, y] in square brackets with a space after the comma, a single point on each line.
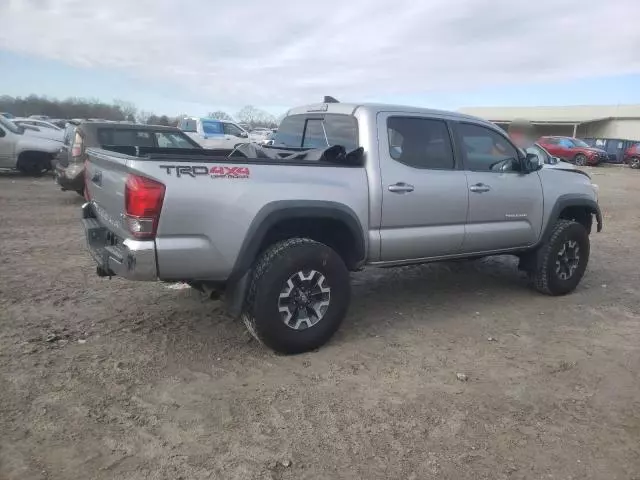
[579, 143]
[317, 131]
[9, 125]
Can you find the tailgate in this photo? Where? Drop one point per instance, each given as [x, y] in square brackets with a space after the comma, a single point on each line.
[106, 176]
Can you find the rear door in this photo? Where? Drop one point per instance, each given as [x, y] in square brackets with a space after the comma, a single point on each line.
[505, 205]
[424, 192]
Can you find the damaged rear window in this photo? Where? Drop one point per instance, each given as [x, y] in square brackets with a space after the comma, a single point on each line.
[317, 131]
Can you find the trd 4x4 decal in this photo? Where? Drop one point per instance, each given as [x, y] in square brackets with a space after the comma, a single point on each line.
[218, 171]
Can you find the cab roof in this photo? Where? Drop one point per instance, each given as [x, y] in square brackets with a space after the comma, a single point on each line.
[375, 108]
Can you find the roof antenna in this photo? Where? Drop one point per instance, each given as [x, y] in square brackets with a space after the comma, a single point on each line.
[328, 99]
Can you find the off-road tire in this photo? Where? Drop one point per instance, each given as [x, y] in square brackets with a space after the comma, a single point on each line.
[543, 276]
[634, 162]
[580, 160]
[270, 274]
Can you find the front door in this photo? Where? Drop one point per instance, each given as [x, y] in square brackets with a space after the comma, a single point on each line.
[424, 192]
[505, 205]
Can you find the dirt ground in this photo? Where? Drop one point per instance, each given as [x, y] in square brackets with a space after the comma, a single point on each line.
[112, 379]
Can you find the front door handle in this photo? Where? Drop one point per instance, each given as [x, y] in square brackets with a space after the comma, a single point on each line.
[401, 187]
[479, 188]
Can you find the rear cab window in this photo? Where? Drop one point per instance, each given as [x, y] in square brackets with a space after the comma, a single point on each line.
[317, 131]
[125, 137]
[174, 140]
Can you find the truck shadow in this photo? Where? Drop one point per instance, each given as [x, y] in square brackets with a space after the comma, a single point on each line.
[383, 301]
[385, 298]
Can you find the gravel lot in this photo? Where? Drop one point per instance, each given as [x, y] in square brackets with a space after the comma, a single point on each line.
[111, 379]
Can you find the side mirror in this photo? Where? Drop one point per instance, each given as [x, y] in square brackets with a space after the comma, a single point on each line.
[243, 135]
[554, 160]
[532, 163]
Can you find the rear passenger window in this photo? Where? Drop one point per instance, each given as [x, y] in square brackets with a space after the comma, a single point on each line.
[420, 143]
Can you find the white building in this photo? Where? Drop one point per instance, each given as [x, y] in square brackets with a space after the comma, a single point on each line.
[582, 121]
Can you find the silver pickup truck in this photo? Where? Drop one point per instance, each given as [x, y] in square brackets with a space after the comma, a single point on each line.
[277, 229]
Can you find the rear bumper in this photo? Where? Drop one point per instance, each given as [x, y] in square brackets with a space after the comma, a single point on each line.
[71, 177]
[128, 258]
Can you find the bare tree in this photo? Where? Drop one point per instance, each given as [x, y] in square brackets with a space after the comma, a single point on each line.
[255, 117]
[220, 115]
[128, 109]
[143, 116]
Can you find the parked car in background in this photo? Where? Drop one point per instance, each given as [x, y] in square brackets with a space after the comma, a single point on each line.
[258, 135]
[547, 160]
[573, 150]
[69, 164]
[268, 140]
[39, 117]
[59, 122]
[214, 133]
[42, 128]
[7, 115]
[632, 156]
[615, 147]
[29, 154]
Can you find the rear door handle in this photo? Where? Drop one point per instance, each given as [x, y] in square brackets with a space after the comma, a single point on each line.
[401, 187]
[479, 188]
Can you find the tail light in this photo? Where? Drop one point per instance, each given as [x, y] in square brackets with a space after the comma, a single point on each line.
[87, 197]
[143, 199]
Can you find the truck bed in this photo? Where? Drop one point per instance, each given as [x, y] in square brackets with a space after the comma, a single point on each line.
[212, 201]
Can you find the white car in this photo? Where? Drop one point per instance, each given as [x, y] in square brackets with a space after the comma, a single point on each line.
[40, 128]
[258, 135]
[27, 153]
[213, 133]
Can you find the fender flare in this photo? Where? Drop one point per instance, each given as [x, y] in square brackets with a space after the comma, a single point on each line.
[270, 215]
[571, 200]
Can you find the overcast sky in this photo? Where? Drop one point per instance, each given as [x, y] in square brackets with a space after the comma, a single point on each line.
[286, 52]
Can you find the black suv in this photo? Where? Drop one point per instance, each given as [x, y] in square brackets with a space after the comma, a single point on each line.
[69, 164]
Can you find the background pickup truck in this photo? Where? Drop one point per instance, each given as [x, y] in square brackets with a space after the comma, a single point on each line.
[277, 229]
[29, 154]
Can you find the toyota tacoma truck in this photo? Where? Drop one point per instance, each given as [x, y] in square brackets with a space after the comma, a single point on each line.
[276, 230]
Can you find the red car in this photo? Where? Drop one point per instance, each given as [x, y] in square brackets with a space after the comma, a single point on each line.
[632, 156]
[573, 150]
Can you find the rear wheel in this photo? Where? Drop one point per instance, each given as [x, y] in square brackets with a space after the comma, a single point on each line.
[560, 263]
[635, 162]
[580, 160]
[298, 296]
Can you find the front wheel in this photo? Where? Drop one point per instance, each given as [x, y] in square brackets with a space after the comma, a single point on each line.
[635, 163]
[561, 261]
[298, 296]
[580, 160]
